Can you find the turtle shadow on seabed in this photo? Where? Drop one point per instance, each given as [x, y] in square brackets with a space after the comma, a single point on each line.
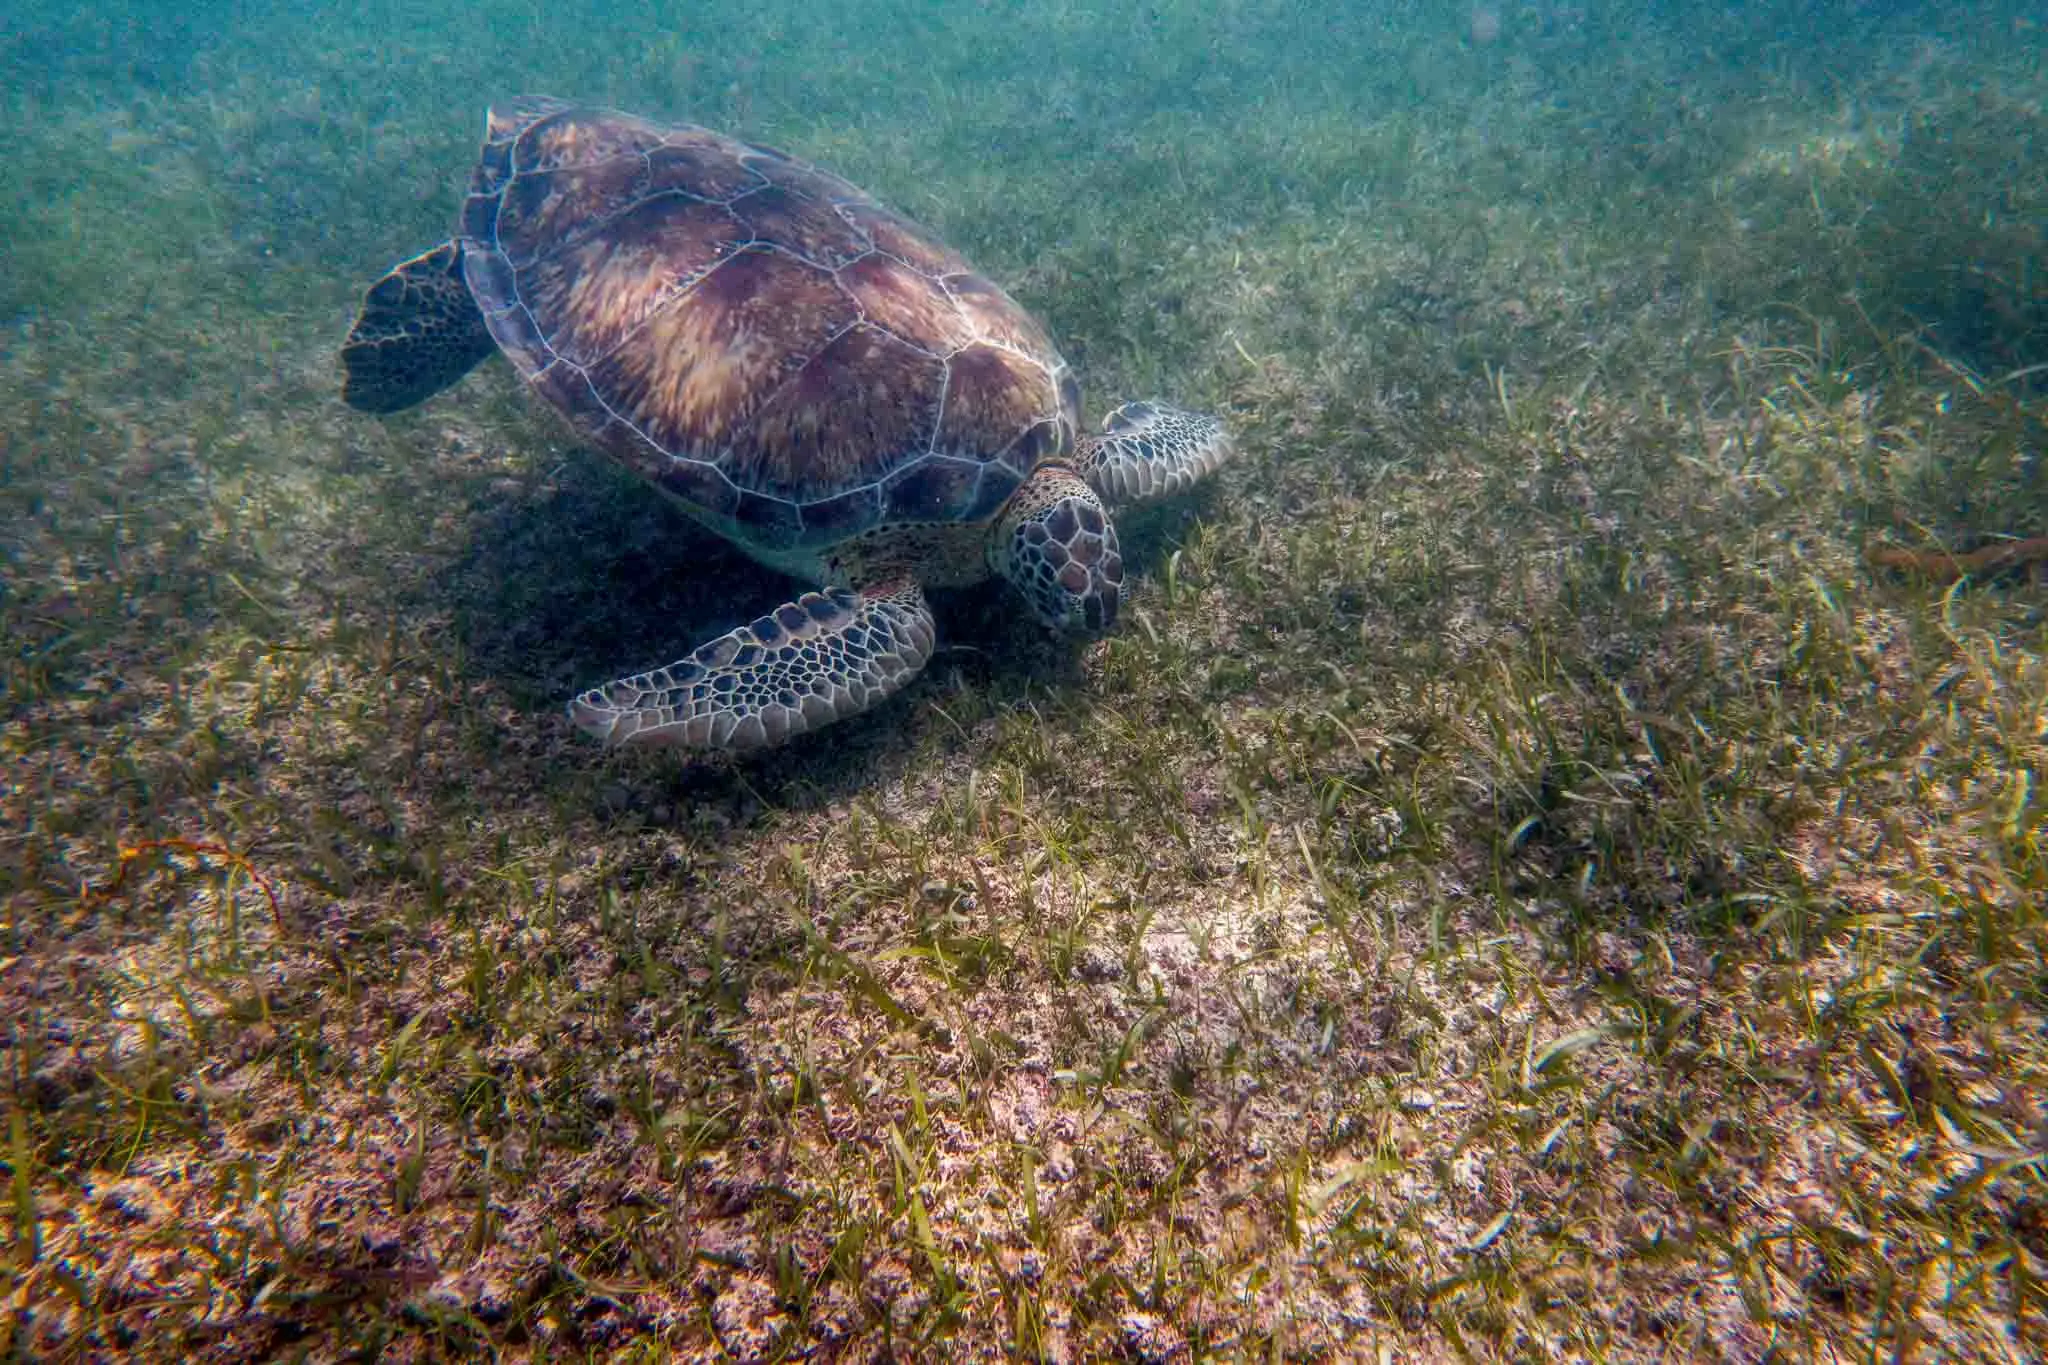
[585, 574]
[1148, 533]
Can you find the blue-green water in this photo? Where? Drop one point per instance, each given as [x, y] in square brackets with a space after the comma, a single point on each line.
[1584, 361]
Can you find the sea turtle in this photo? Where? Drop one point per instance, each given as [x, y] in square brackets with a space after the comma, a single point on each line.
[807, 373]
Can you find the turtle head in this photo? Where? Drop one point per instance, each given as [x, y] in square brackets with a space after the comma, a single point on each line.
[1054, 542]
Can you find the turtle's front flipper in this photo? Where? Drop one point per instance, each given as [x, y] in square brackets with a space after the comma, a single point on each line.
[818, 659]
[419, 332]
[1149, 450]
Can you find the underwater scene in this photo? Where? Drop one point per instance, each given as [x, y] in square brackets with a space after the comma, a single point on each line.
[1193, 681]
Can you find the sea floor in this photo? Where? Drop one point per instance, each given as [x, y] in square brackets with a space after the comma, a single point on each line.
[1551, 865]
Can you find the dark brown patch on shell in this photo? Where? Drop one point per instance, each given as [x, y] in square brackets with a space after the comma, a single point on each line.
[581, 137]
[809, 227]
[849, 416]
[502, 126]
[991, 398]
[894, 296]
[603, 287]
[704, 363]
[995, 316]
[699, 162]
[903, 239]
[780, 168]
[550, 209]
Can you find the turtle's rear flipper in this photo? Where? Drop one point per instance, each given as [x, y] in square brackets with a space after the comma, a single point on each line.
[810, 662]
[418, 333]
[1149, 450]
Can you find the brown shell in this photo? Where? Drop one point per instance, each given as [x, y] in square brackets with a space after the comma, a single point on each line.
[756, 336]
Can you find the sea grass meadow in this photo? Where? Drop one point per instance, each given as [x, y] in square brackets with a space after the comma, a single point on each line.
[1551, 865]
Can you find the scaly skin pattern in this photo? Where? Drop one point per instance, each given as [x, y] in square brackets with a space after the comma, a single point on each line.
[418, 333]
[831, 654]
[1056, 546]
[1149, 450]
[808, 663]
